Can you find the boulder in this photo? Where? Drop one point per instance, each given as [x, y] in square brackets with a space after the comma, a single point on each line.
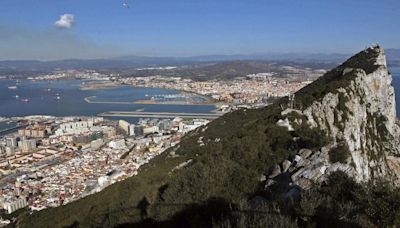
[305, 153]
[285, 166]
[297, 158]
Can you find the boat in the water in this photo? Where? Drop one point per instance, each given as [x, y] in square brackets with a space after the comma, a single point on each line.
[16, 96]
[12, 87]
[25, 100]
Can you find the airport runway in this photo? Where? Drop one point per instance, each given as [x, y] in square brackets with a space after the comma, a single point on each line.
[161, 115]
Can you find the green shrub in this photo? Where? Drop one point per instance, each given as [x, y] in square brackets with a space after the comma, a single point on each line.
[311, 138]
[340, 153]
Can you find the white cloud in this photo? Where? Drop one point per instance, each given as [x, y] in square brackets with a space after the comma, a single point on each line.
[66, 21]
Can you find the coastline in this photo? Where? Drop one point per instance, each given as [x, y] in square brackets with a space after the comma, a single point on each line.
[151, 102]
[111, 85]
[207, 99]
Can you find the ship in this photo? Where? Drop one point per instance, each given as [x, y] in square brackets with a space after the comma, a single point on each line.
[25, 100]
[12, 87]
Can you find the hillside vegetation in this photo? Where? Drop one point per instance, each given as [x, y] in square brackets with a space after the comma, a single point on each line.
[214, 178]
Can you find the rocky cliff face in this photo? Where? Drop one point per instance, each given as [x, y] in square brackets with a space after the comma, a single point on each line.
[359, 118]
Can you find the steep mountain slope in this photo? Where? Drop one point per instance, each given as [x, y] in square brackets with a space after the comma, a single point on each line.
[344, 121]
[358, 113]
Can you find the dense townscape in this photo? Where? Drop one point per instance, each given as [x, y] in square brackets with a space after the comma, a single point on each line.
[238, 91]
[52, 161]
[249, 89]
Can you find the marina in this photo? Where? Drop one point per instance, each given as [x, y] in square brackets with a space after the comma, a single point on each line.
[65, 98]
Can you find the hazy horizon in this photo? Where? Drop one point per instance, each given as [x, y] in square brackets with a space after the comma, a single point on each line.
[264, 54]
[93, 29]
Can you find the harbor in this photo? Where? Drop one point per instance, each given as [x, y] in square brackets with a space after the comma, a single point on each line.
[65, 98]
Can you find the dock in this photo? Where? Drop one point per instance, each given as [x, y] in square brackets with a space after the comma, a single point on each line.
[161, 115]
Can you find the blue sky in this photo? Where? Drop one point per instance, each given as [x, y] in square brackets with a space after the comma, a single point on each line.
[105, 28]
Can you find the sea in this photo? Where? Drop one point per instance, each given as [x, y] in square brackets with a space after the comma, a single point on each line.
[65, 98]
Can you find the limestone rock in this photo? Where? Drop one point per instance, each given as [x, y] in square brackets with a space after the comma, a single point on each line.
[362, 113]
[285, 123]
[302, 163]
[305, 153]
[297, 158]
[275, 172]
[285, 166]
[269, 183]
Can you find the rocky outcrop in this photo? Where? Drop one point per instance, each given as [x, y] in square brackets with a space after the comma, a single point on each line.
[359, 118]
[304, 171]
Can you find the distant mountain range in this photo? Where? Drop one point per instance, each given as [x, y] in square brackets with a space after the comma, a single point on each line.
[224, 69]
[45, 66]
[35, 66]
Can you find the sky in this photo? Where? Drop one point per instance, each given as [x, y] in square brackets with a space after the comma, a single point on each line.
[63, 29]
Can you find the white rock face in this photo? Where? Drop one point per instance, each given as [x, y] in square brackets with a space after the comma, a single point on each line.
[363, 114]
[360, 114]
[285, 123]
